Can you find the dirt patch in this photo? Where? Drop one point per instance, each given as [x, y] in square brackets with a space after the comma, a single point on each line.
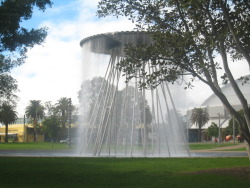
[239, 172]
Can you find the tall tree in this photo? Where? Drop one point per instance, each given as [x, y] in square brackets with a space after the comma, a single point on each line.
[199, 117]
[15, 40]
[35, 111]
[188, 35]
[62, 109]
[7, 116]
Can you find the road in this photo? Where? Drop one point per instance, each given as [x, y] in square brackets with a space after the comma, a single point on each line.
[220, 152]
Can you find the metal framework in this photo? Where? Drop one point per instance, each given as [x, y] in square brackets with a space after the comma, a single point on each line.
[125, 121]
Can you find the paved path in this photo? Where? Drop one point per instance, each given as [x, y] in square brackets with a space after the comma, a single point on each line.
[237, 146]
[220, 152]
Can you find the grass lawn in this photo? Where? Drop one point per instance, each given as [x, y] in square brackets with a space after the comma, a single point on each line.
[119, 172]
[64, 146]
[33, 146]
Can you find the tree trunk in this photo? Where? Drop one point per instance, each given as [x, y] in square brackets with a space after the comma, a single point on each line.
[233, 32]
[35, 131]
[199, 134]
[248, 150]
[244, 125]
[6, 134]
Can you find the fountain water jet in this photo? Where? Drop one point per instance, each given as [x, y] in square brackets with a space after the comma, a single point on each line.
[120, 119]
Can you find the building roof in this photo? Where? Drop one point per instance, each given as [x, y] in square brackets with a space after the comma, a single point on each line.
[213, 100]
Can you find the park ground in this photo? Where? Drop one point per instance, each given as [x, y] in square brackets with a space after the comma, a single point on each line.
[127, 172]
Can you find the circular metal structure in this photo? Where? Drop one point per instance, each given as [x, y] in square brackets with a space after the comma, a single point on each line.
[118, 118]
[109, 42]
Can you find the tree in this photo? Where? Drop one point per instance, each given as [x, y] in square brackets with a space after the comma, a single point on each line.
[213, 130]
[7, 116]
[60, 111]
[8, 87]
[15, 40]
[199, 117]
[188, 36]
[102, 104]
[62, 108]
[229, 128]
[35, 111]
[50, 108]
[51, 126]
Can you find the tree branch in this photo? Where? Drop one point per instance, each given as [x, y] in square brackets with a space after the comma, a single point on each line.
[235, 37]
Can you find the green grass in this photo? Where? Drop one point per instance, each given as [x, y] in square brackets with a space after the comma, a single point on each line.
[118, 172]
[198, 146]
[64, 146]
[33, 146]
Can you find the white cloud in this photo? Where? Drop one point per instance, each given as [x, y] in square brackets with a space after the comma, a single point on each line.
[54, 70]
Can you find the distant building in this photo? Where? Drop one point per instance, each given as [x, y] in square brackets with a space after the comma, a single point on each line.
[216, 110]
[20, 131]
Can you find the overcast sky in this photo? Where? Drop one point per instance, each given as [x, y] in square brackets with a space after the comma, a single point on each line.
[54, 69]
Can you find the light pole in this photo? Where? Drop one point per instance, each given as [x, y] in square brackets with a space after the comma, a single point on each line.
[234, 129]
[69, 121]
[219, 130]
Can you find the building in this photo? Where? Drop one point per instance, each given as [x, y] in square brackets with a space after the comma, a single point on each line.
[20, 132]
[217, 112]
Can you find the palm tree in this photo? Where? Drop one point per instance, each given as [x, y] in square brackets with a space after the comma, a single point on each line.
[35, 111]
[62, 109]
[7, 116]
[199, 117]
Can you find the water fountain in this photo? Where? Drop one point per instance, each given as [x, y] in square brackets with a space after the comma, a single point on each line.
[117, 118]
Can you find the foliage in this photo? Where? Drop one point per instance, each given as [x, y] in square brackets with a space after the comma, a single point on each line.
[62, 108]
[60, 111]
[8, 87]
[213, 130]
[90, 91]
[199, 117]
[50, 109]
[7, 116]
[187, 37]
[126, 110]
[35, 111]
[95, 106]
[229, 128]
[51, 126]
[15, 40]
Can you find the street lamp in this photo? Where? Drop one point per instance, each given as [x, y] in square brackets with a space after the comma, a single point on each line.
[219, 130]
[69, 121]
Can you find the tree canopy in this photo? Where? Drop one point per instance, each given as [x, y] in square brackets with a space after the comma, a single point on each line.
[35, 111]
[188, 36]
[15, 40]
[199, 117]
[213, 130]
[7, 116]
[51, 126]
